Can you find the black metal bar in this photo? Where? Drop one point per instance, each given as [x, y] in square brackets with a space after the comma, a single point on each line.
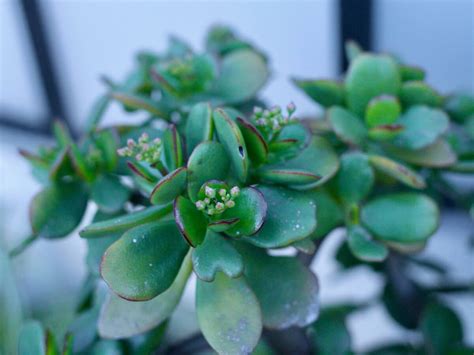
[18, 123]
[41, 46]
[355, 21]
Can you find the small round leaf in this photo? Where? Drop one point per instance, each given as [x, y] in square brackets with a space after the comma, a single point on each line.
[347, 127]
[169, 187]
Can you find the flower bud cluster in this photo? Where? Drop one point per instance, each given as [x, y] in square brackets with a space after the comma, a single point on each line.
[217, 201]
[273, 120]
[143, 150]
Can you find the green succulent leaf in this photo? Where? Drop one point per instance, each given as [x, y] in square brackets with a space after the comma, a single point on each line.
[386, 132]
[199, 125]
[369, 76]
[138, 102]
[109, 193]
[291, 216]
[256, 145]
[231, 138]
[437, 155]
[329, 212]
[58, 209]
[330, 334]
[327, 93]
[172, 148]
[316, 164]
[169, 187]
[144, 262]
[305, 246]
[190, 221]
[61, 166]
[107, 143]
[120, 318]
[347, 127]
[352, 50]
[410, 73]
[251, 209]
[229, 314]
[382, 110]
[460, 106]
[208, 161]
[293, 300]
[222, 225]
[355, 178]
[441, 328]
[123, 223]
[216, 254]
[423, 126]
[364, 247]
[32, 339]
[406, 218]
[414, 93]
[242, 74]
[398, 171]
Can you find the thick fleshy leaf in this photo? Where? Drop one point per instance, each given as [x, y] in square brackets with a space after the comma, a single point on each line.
[460, 106]
[229, 314]
[438, 155]
[125, 222]
[398, 171]
[32, 339]
[107, 142]
[190, 221]
[352, 50]
[199, 125]
[243, 73]
[401, 218]
[327, 93]
[144, 171]
[256, 145]
[442, 330]
[172, 148]
[61, 166]
[291, 216]
[329, 334]
[363, 247]
[231, 138]
[221, 225]
[144, 262]
[410, 73]
[109, 193]
[291, 140]
[58, 209]
[208, 161]
[423, 126]
[329, 213]
[355, 178]
[370, 76]
[138, 102]
[382, 110]
[306, 246]
[347, 127]
[385, 132]
[287, 290]
[120, 318]
[216, 254]
[318, 162]
[169, 187]
[251, 209]
[419, 93]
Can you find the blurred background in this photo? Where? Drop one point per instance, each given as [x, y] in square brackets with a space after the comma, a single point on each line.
[52, 54]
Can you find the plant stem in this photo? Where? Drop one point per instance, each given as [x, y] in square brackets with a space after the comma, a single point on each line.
[22, 246]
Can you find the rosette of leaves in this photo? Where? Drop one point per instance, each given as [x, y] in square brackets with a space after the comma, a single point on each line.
[387, 123]
[166, 85]
[385, 106]
[214, 200]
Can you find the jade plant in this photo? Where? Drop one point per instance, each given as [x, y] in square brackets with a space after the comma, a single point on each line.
[217, 188]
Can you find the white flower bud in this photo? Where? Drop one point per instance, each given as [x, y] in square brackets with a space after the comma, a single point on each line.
[207, 201]
[235, 191]
[210, 192]
[200, 205]
[219, 206]
[230, 204]
[222, 192]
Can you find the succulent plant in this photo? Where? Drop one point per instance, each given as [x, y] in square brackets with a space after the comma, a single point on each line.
[215, 181]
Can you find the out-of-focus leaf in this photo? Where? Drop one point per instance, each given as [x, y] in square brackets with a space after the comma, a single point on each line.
[229, 314]
[32, 339]
[348, 127]
[109, 193]
[355, 178]
[327, 93]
